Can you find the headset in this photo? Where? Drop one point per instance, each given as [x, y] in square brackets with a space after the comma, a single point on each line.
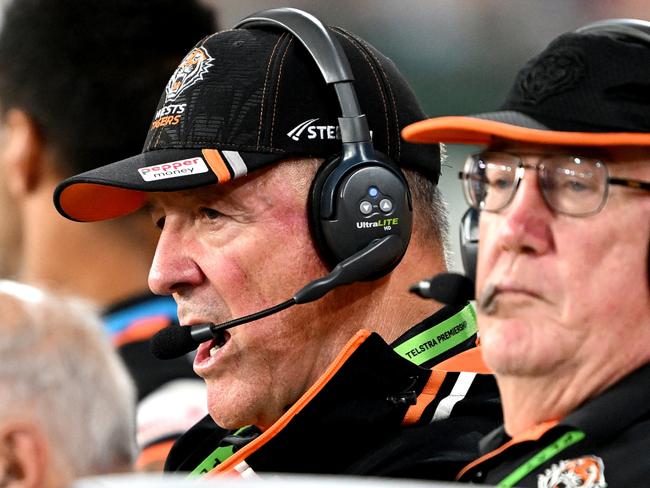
[638, 30]
[359, 195]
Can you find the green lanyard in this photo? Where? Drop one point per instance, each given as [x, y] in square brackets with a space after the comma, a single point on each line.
[216, 457]
[440, 338]
[568, 439]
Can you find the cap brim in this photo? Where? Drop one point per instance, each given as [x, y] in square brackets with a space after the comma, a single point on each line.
[120, 188]
[511, 125]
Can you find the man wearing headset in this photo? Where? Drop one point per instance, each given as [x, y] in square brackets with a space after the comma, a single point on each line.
[233, 174]
[562, 279]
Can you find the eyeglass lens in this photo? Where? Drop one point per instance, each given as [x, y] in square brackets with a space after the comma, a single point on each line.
[569, 184]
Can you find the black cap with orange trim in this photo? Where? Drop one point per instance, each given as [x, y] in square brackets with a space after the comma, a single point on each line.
[243, 99]
[590, 87]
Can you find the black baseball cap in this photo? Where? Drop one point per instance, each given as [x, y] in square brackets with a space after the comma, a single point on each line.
[589, 87]
[240, 100]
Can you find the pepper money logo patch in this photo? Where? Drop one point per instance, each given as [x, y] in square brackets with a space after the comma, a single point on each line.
[183, 167]
[583, 472]
[191, 70]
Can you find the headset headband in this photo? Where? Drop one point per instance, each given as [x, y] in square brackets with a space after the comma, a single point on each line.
[330, 59]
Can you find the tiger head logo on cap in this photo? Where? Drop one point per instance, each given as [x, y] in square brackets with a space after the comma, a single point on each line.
[191, 70]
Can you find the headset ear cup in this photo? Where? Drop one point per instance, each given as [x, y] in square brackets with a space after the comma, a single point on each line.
[347, 230]
[314, 208]
[363, 200]
[469, 241]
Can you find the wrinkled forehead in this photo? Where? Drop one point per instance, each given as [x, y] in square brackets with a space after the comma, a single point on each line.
[208, 194]
[287, 181]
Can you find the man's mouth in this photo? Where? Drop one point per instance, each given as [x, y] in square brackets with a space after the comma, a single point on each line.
[218, 342]
[487, 300]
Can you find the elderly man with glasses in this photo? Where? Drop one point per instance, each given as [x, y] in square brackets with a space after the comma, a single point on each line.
[562, 282]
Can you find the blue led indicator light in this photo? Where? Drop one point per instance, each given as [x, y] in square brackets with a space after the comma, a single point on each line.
[372, 191]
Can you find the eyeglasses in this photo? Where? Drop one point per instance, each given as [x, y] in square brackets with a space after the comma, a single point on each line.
[571, 185]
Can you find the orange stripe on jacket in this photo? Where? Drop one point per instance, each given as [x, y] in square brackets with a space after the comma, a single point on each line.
[531, 435]
[470, 361]
[429, 393]
[229, 464]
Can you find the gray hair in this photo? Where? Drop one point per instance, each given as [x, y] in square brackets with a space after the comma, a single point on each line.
[59, 368]
[430, 206]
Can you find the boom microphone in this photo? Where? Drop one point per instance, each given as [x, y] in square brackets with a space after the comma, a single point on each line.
[447, 288]
[175, 341]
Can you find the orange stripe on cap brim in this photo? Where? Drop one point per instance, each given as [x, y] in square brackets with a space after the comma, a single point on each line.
[90, 202]
[471, 130]
[217, 164]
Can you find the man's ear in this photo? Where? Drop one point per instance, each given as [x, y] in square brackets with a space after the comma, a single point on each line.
[22, 152]
[23, 456]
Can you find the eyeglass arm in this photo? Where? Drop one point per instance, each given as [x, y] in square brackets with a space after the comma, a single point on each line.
[638, 184]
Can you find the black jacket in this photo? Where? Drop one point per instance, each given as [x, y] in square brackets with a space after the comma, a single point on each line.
[605, 442]
[369, 414]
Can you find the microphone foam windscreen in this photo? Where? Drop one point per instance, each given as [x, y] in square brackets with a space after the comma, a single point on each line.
[447, 288]
[172, 342]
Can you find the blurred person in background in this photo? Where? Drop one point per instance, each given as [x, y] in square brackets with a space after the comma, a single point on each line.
[563, 276]
[235, 172]
[67, 402]
[78, 80]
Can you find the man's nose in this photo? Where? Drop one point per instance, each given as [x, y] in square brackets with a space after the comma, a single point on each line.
[525, 225]
[173, 269]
